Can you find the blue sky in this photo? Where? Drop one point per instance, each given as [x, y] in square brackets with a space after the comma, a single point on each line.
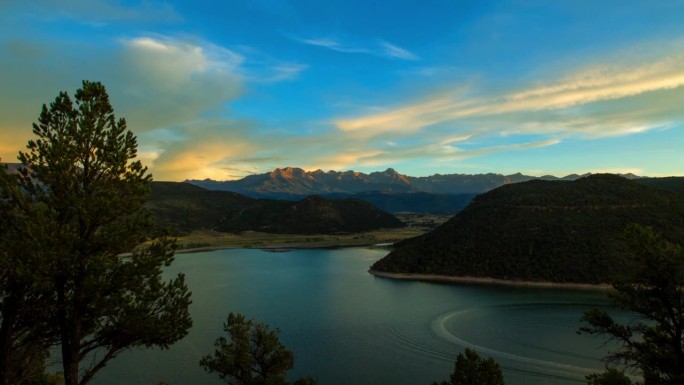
[224, 89]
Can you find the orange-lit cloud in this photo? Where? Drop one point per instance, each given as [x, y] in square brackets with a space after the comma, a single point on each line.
[586, 87]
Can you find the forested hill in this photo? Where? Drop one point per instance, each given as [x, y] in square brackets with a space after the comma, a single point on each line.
[672, 183]
[185, 207]
[542, 231]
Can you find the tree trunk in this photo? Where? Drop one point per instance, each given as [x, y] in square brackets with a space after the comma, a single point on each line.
[70, 365]
[69, 334]
[71, 351]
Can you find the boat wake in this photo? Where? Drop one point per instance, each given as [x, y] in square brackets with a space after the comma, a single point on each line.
[556, 366]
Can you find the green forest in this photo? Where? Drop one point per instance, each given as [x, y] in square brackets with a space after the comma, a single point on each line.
[555, 231]
[183, 207]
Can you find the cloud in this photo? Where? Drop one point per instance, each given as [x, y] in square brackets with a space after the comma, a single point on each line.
[444, 151]
[201, 149]
[409, 118]
[378, 48]
[223, 148]
[332, 45]
[392, 50]
[569, 104]
[153, 81]
[342, 159]
[175, 80]
[635, 171]
[471, 120]
[280, 72]
[189, 141]
[258, 66]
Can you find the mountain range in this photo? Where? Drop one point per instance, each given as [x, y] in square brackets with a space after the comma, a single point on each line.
[387, 190]
[291, 182]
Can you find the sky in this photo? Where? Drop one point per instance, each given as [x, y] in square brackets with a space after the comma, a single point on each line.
[225, 89]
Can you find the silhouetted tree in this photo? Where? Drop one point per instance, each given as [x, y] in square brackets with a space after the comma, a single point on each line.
[471, 369]
[85, 220]
[23, 343]
[251, 355]
[653, 341]
[611, 376]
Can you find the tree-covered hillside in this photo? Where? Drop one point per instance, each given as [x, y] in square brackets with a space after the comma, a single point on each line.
[417, 202]
[542, 231]
[672, 183]
[185, 207]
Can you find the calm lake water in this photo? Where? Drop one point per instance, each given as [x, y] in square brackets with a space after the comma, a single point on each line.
[349, 327]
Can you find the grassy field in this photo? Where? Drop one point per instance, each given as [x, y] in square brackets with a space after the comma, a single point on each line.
[250, 239]
[206, 239]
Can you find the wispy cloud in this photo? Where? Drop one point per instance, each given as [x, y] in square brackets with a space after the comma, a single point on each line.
[443, 152]
[564, 99]
[466, 121]
[258, 66]
[333, 45]
[409, 118]
[277, 72]
[377, 48]
[392, 50]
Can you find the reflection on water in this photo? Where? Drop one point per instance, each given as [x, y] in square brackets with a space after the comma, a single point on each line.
[349, 327]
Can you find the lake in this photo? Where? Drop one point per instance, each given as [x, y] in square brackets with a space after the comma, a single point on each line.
[349, 327]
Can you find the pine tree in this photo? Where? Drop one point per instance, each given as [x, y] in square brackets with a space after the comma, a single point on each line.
[653, 341]
[24, 342]
[251, 355]
[85, 219]
[471, 369]
[611, 376]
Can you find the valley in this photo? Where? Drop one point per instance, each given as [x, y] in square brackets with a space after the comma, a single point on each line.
[416, 224]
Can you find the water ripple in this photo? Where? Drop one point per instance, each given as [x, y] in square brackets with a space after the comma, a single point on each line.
[521, 321]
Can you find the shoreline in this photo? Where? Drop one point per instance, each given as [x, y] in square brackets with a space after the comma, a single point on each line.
[209, 240]
[448, 279]
[488, 281]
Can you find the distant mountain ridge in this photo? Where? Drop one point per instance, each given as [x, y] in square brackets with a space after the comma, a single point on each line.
[297, 182]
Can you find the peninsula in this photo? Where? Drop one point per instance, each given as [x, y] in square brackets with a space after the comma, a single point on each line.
[540, 231]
